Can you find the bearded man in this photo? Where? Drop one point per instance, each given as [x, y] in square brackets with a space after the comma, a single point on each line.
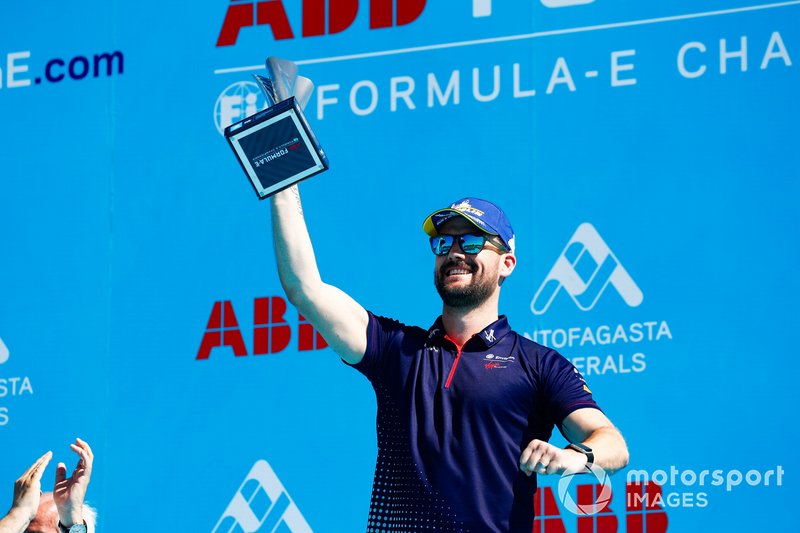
[465, 407]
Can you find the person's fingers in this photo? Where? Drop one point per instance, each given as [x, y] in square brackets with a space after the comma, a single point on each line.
[543, 456]
[85, 462]
[553, 467]
[85, 445]
[41, 466]
[526, 465]
[526, 453]
[536, 458]
[61, 473]
[34, 473]
[529, 450]
[549, 456]
[37, 464]
[80, 451]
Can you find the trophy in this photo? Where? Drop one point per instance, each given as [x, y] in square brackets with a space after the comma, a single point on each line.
[276, 146]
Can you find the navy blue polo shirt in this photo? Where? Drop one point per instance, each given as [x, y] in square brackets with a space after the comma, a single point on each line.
[452, 425]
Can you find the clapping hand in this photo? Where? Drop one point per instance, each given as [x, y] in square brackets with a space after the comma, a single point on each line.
[69, 492]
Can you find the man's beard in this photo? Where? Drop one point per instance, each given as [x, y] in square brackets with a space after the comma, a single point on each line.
[463, 296]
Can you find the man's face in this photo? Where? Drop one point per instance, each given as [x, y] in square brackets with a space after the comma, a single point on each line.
[464, 280]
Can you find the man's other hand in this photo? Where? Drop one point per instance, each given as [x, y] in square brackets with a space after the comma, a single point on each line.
[541, 457]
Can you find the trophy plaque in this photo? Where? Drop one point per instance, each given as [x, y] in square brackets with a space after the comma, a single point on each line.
[276, 147]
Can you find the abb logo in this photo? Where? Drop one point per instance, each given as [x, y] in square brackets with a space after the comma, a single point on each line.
[642, 513]
[320, 17]
[271, 332]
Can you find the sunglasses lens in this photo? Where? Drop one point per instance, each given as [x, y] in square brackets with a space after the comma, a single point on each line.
[471, 244]
[441, 244]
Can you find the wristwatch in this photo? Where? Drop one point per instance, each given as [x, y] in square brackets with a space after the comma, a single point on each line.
[584, 449]
[75, 528]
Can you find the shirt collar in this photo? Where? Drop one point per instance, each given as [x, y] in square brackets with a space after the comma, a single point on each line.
[486, 338]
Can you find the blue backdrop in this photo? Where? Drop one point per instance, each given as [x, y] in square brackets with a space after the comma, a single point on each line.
[646, 155]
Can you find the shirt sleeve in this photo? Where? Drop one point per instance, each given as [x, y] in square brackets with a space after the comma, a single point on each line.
[564, 388]
[383, 336]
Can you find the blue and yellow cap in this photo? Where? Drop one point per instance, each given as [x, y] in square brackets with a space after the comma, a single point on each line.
[486, 216]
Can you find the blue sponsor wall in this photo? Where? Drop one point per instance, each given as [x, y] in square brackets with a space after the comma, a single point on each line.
[646, 155]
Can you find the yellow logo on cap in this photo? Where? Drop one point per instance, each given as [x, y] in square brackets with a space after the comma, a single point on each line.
[465, 206]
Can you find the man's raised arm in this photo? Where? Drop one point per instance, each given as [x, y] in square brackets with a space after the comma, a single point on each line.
[339, 318]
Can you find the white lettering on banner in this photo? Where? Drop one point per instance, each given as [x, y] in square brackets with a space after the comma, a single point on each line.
[483, 8]
[682, 60]
[565, 3]
[249, 513]
[373, 98]
[584, 269]
[617, 67]
[694, 53]
[405, 94]
[771, 53]
[322, 101]
[560, 75]
[573, 338]
[724, 55]
[12, 69]
[519, 80]
[17, 386]
[11, 387]
[519, 93]
[476, 84]
[603, 335]
[453, 87]
[620, 364]
[364, 95]
[4, 353]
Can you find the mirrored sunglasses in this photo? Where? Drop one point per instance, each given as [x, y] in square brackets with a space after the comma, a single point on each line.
[470, 244]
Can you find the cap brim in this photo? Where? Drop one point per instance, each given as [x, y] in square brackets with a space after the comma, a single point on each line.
[429, 227]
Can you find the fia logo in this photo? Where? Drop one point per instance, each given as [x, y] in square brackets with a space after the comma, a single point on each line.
[262, 505]
[237, 102]
[4, 353]
[585, 268]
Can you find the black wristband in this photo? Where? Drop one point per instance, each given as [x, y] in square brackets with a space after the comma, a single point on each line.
[584, 449]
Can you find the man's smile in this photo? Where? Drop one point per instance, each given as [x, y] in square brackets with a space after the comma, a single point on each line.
[456, 271]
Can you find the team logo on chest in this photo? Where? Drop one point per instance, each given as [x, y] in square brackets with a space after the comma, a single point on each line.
[492, 361]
